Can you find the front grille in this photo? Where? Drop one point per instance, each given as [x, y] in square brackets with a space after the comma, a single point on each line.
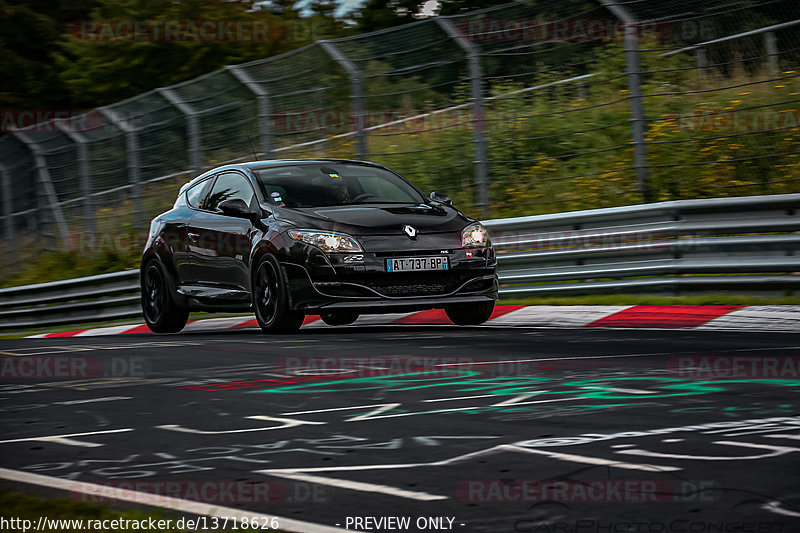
[411, 283]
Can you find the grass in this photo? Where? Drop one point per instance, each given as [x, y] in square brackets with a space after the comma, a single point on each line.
[24, 506]
[30, 507]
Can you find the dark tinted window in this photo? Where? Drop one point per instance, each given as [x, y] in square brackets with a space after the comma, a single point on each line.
[229, 186]
[317, 185]
[197, 193]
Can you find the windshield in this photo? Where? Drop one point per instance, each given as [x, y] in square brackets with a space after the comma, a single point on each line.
[320, 185]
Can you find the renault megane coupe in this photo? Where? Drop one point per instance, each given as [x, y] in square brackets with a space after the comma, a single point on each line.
[333, 237]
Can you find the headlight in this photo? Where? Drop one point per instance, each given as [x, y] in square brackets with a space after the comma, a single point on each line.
[474, 235]
[327, 241]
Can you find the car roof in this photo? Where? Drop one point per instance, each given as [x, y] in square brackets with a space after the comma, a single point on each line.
[257, 165]
[260, 165]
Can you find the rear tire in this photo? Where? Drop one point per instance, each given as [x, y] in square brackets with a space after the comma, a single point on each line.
[338, 318]
[271, 299]
[161, 313]
[470, 314]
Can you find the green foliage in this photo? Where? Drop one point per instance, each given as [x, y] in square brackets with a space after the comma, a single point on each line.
[29, 33]
[53, 266]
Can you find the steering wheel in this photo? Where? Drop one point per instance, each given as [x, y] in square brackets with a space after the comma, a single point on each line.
[362, 196]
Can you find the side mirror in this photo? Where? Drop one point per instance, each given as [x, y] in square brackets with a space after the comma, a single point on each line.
[236, 207]
[441, 198]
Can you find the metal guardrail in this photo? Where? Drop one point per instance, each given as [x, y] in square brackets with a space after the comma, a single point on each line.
[743, 244]
[85, 300]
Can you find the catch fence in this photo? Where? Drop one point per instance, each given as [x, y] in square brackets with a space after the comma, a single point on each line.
[522, 109]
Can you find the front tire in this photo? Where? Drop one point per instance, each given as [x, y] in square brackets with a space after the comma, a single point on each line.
[338, 318]
[470, 314]
[161, 313]
[271, 299]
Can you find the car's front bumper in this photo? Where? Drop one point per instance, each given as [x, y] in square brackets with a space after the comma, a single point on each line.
[361, 281]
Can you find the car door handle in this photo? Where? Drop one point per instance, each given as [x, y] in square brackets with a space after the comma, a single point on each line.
[193, 236]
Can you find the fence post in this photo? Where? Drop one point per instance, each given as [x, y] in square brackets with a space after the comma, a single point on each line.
[771, 45]
[192, 127]
[702, 65]
[8, 220]
[81, 143]
[132, 152]
[634, 70]
[478, 122]
[49, 200]
[356, 93]
[264, 107]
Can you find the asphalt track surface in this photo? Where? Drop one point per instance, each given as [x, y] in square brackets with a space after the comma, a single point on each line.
[480, 429]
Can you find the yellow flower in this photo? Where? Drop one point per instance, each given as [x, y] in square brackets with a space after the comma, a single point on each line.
[744, 94]
[780, 86]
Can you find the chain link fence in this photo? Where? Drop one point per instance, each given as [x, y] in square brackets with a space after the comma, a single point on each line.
[522, 109]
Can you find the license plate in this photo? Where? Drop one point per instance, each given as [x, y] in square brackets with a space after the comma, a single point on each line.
[413, 264]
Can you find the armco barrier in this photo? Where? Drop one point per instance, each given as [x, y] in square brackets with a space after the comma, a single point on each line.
[743, 244]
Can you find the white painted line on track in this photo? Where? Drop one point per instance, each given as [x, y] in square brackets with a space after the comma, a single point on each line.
[95, 400]
[581, 357]
[377, 405]
[164, 502]
[784, 436]
[573, 458]
[67, 439]
[776, 507]
[624, 391]
[772, 451]
[285, 423]
[459, 398]
[569, 358]
[364, 487]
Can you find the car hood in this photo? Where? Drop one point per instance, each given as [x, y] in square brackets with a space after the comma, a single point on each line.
[375, 219]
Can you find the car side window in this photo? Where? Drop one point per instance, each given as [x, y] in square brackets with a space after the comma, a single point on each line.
[197, 193]
[229, 186]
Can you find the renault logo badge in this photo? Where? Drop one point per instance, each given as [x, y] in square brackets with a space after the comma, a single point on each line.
[411, 231]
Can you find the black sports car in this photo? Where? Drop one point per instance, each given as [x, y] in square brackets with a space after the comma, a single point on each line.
[332, 237]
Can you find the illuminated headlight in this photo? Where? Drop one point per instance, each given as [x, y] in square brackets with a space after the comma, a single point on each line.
[474, 235]
[327, 241]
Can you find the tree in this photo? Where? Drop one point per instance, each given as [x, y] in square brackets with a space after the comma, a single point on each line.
[104, 61]
[29, 34]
